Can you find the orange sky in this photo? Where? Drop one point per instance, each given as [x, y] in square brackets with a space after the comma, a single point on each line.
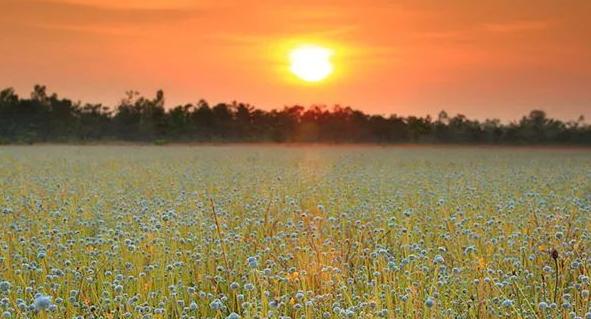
[480, 58]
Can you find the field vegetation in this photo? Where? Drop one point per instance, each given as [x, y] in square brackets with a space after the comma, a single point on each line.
[294, 232]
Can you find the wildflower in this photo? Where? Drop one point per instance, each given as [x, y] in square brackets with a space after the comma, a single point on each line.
[392, 266]
[407, 212]
[233, 315]
[429, 302]
[547, 269]
[507, 303]
[4, 286]
[234, 285]
[216, 304]
[469, 249]
[252, 262]
[42, 302]
[566, 305]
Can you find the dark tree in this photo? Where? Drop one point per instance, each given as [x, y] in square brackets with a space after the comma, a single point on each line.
[46, 117]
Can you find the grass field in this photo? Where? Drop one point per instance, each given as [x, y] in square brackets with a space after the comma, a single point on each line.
[294, 232]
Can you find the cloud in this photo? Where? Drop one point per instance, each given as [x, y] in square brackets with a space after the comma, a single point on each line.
[518, 26]
[75, 15]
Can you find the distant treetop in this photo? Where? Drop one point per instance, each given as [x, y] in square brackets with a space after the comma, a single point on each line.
[47, 118]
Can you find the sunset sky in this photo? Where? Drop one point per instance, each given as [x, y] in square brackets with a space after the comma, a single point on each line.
[479, 58]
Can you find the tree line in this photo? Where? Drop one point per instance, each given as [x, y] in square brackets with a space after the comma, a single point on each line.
[46, 117]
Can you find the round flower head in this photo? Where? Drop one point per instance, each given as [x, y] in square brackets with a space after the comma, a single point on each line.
[4, 286]
[42, 302]
[216, 304]
[252, 262]
[429, 302]
[234, 285]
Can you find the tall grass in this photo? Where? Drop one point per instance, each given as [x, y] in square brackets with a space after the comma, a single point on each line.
[294, 232]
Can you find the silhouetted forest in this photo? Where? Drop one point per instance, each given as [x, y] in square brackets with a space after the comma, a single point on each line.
[46, 117]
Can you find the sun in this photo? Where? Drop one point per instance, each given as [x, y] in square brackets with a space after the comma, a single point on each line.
[311, 63]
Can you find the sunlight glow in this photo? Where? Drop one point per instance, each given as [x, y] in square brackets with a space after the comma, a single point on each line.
[311, 63]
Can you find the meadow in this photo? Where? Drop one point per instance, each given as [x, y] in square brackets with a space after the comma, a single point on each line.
[294, 232]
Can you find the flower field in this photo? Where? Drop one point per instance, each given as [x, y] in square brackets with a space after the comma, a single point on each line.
[294, 232]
